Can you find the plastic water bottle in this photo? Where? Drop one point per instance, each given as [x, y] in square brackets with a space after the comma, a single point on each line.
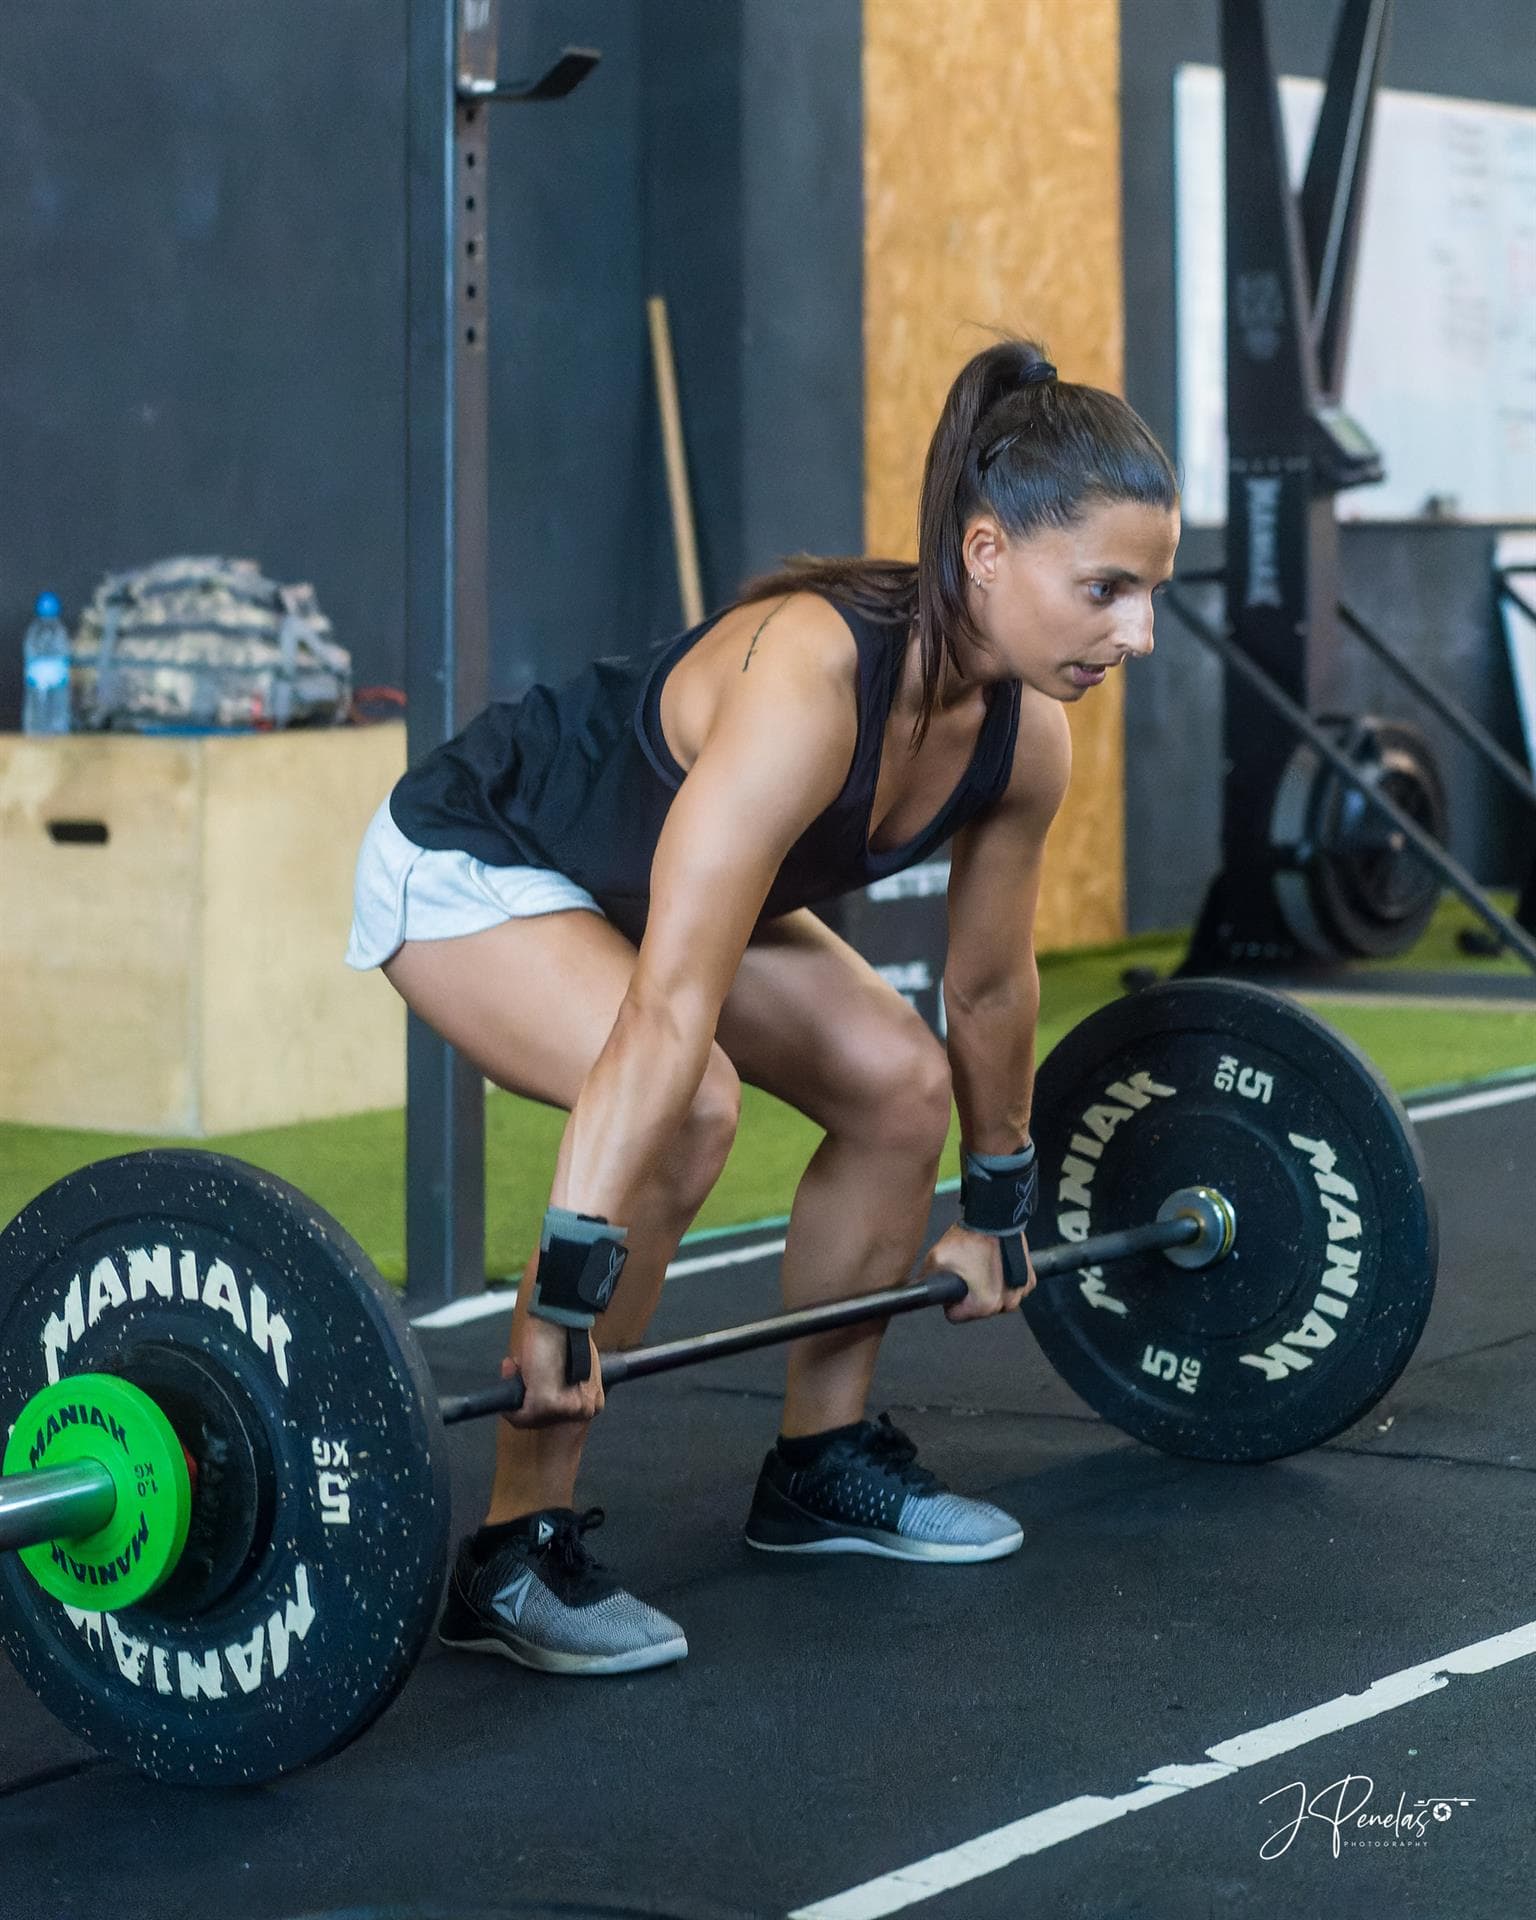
[45, 656]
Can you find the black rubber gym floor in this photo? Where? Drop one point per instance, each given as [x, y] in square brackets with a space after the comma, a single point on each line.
[843, 1726]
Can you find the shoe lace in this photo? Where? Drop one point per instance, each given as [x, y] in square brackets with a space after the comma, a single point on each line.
[567, 1547]
[890, 1448]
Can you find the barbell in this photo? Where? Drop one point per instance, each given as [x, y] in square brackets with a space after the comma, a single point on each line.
[224, 1515]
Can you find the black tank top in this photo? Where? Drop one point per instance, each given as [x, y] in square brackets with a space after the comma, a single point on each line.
[579, 779]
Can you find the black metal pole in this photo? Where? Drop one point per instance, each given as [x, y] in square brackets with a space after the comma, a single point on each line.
[445, 580]
[1333, 194]
[451, 86]
[1425, 844]
[938, 1290]
[1450, 711]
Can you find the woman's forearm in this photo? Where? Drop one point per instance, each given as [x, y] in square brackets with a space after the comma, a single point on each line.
[631, 1107]
[991, 1047]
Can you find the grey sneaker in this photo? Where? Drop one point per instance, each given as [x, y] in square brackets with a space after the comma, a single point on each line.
[864, 1493]
[538, 1597]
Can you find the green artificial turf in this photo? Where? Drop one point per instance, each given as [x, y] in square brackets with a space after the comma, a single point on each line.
[355, 1167]
[1427, 1045]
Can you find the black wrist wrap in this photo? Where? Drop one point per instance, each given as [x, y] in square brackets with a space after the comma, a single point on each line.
[998, 1191]
[580, 1259]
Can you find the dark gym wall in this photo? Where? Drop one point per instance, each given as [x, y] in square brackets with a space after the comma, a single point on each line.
[1425, 585]
[202, 218]
[200, 340]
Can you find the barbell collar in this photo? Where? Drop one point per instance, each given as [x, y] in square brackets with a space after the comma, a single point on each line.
[1216, 1218]
[938, 1290]
[56, 1503]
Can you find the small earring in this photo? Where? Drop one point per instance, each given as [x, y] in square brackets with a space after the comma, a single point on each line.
[975, 579]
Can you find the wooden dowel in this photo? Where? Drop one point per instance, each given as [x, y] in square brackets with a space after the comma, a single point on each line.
[689, 589]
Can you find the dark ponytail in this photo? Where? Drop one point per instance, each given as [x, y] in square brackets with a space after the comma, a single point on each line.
[1012, 440]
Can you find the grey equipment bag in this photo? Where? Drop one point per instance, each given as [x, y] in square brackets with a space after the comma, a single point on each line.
[200, 643]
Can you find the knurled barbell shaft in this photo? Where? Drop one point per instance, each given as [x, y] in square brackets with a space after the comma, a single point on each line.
[67, 1503]
[57, 1503]
[938, 1290]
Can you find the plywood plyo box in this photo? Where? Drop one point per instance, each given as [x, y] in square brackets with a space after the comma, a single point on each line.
[173, 914]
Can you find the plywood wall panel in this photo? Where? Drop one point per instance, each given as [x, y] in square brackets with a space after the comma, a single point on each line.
[992, 204]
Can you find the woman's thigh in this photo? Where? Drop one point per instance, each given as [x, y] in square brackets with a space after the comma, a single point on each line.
[810, 1021]
[529, 1002]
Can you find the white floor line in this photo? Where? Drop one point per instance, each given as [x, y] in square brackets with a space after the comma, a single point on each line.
[479, 1306]
[1470, 1102]
[737, 1257]
[474, 1306]
[942, 1872]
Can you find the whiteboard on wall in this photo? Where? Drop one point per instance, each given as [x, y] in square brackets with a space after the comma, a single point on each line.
[1441, 369]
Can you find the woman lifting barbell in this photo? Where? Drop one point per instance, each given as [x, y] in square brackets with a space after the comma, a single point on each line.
[601, 896]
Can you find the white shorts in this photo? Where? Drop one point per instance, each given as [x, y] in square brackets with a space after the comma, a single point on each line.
[405, 892]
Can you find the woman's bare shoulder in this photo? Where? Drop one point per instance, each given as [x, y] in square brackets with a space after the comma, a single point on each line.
[1042, 754]
[758, 654]
[804, 627]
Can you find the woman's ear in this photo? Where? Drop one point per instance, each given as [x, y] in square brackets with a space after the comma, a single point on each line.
[982, 550]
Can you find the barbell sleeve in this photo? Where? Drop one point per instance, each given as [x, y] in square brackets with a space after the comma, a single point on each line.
[938, 1290]
[57, 1503]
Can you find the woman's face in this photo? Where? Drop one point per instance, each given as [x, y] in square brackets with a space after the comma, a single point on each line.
[1061, 607]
